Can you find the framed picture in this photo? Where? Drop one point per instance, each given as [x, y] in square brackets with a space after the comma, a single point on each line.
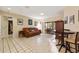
[66, 20]
[30, 22]
[71, 20]
[20, 21]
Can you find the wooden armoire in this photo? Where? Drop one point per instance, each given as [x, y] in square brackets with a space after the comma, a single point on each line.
[59, 27]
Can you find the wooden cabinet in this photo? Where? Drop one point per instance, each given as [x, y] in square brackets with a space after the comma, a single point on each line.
[59, 27]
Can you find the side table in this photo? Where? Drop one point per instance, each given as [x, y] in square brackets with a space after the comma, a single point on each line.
[20, 34]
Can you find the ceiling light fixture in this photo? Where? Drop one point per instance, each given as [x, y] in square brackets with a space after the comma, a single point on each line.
[9, 8]
[41, 14]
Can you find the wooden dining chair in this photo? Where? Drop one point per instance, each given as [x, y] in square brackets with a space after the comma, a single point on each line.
[59, 40]
[66, 35]
[74, 41]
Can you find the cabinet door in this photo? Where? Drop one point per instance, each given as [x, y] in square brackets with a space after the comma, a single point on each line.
[59, 26]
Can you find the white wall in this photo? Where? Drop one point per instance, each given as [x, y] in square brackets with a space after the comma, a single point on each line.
[16, 27]
[69, 11]
[4, 26]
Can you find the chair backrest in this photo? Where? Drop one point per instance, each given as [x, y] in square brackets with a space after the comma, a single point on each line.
[77, 37]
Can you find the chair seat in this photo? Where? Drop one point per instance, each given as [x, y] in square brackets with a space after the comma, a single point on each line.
[71, 40]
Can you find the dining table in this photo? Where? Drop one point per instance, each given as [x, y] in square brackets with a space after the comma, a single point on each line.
[62, 37]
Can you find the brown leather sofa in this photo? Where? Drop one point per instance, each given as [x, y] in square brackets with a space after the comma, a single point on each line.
[29, 32]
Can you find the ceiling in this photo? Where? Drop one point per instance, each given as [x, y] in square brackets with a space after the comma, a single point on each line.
[33, 11]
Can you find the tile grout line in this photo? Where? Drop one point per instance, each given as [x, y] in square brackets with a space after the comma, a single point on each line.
[3, 44]
[14, 46]
[19, 45]
[8, 45]
[26, 47]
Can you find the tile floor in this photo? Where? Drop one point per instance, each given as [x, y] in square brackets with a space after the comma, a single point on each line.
[44, 43]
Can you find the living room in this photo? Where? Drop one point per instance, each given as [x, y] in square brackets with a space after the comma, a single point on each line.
[15, 26]
[10, 14]
[29, 24]
[39, 29]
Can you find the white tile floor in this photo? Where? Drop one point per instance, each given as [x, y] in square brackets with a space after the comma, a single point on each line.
[44, 43]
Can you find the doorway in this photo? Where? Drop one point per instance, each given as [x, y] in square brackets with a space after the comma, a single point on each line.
[10, 27]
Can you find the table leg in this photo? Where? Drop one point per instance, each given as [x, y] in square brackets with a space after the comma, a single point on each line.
[62, 41]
